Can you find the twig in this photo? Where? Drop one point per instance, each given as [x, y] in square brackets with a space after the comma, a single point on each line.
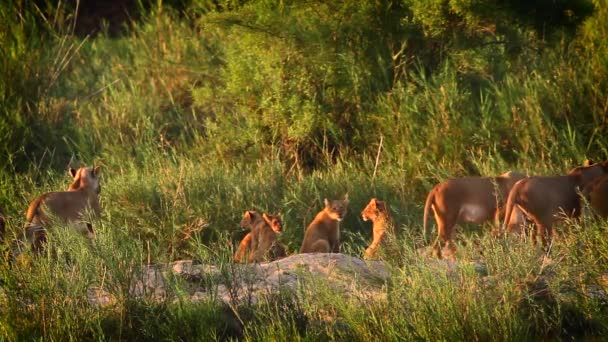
[378, 157]
[101, 89]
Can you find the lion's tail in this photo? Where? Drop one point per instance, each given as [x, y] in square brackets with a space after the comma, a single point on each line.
[511, 202]
[33, 210]
[430, 198]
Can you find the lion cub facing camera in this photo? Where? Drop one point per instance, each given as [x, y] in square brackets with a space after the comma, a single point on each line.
[323, 233]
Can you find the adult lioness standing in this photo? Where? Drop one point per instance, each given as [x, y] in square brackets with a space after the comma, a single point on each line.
[66, 206]
[547, 199]
[323, 233]
[469, 199]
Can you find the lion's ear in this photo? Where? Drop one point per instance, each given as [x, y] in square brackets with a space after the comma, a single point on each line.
[72, 172]
[588, 162]
[380, 205]
[266, 217]
[326, 201]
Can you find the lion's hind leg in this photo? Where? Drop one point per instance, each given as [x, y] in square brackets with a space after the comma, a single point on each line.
[320, 246]
[444, 238]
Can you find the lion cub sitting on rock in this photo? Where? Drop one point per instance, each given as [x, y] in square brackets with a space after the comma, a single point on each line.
[383, 232]
[323, 233]
[261, 243]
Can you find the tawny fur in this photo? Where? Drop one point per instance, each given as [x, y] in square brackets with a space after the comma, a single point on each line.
[65, 206]
[596, 194]
[377, 212]
[323, 233]
[470, 199]
[261, 244]
[243, 252]
[81, 178]
[546, 200]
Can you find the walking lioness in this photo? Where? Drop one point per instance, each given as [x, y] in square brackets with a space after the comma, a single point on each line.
[66, 206]
[323, 233]
[469, 199]
[377, 212]
[548, 199]
[261, 243]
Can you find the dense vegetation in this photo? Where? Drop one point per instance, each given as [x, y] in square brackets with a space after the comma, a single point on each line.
[198, 110]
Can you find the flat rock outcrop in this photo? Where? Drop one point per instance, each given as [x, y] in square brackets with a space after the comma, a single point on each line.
[248, 283]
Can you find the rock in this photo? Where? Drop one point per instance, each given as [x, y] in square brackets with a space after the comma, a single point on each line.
[236, 284]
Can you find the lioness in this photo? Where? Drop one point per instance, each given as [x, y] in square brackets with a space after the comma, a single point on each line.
[261, 243]
[469, 199]
[67, 206]
[544, 198]
[597, 195]
[377, 212]
[323, 233]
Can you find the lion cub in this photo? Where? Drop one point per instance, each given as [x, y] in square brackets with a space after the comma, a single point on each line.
[66, 206]
[323, 233]
[377, 212]
[261, 243]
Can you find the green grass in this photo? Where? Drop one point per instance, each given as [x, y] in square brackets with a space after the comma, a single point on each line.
[145, 223]
[197, 118]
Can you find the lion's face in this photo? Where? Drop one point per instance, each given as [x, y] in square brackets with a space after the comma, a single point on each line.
[336, 208]
[275, 222]
[373, 209]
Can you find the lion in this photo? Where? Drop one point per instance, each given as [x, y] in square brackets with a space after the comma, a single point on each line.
[66, 206]
[470, 199]
[377, 212]
[596, 193]
[547, 200]
[323, 233]
[261, 243]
